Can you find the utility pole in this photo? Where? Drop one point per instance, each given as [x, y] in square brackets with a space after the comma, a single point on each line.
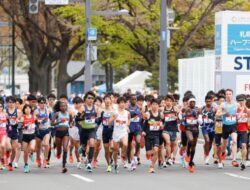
[87, 73]
[163, 83]
[13, 57]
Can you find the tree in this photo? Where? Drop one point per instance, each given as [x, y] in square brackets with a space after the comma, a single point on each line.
[47, 38]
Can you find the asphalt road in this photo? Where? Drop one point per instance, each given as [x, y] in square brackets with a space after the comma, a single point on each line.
[174, 177]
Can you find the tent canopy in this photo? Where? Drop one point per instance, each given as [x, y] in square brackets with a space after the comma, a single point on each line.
[135, 82]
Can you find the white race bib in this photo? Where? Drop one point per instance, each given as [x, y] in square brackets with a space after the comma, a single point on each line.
[231, 118]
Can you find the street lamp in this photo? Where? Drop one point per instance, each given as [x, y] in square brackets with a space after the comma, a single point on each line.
[167, 16]
[88, 13]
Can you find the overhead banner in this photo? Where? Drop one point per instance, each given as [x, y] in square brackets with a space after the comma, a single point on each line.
[56, 2]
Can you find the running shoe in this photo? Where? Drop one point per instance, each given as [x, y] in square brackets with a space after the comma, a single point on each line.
[133, 165]
[48, 164]
[45, 164]
[89, 168]
[235, 163]
[151, 170]
[10, 168]
[78, 165]
[138, 161]
[247, 164]
[187, 158]
[216, 161]
[15, 165]
[191, 169]
[26, 169]
[109, 169]
[183, 163]
[220, 165]
[71, 159]
[125, 165]
[64, 170]
[164, 165]
[116, 169]
[38, 163]
[32, 157]
[206, 160]
[242, 166]
[170, 162]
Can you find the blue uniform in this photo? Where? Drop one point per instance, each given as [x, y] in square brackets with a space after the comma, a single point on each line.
[208, 121]
[12, 125]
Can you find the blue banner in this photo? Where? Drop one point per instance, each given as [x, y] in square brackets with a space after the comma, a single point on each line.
[238, 39]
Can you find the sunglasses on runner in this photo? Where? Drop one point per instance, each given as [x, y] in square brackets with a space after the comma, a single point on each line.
[90, 98]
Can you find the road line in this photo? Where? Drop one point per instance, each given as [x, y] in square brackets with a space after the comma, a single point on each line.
[82, 178]
[237, 176]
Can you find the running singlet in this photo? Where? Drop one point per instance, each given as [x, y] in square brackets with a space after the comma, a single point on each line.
[135, 118]
[89, 118]
[43, 119]
[121, 122]
[154, 124]
[170, 120]
[105, 119]
[64, 117]
[29, 125]
[3, 121]
[242, 116]
[192, 119]
[12, 120]
[208, 119]
[230, 117]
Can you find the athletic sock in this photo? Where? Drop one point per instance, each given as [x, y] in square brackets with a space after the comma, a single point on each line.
[64, 158]
[91, 154]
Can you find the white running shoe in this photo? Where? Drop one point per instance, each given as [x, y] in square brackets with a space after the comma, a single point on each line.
[220, 165]
[135, 159]
[207, 160]
[126, 165]
[15, 165]
[247, 164]
[78, 165]
[170, 162]
[164, 165]
[133, 165]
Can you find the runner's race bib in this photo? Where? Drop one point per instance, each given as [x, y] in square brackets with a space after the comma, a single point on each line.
[170, 117]
[120, 123]
[192, 121]
[13, 121]
[135, 119]
[90, 121]
[231, 118]
[218, 128]
[207, 120]
[154, 127]
[105, 121]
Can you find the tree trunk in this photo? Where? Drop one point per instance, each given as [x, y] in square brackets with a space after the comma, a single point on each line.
[39, 81]
[63, 76]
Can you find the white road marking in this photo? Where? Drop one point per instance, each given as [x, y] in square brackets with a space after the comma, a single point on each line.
[237, 176]
[82, 178]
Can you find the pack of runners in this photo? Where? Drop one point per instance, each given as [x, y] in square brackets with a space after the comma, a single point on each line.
[123, 126]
